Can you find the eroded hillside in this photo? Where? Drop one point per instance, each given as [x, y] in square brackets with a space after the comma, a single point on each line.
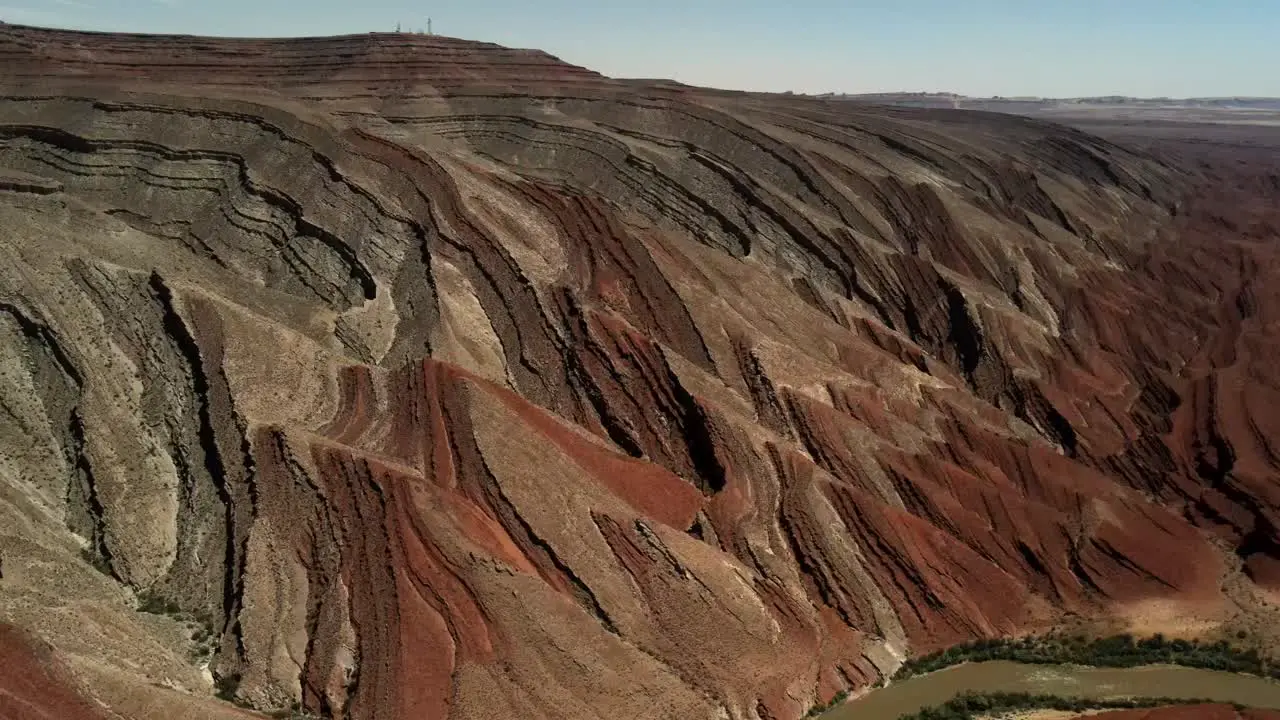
[408, 377]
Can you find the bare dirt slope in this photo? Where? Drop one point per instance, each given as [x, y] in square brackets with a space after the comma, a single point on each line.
[408, 377]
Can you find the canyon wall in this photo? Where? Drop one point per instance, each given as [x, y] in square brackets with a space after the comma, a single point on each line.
[407, 377]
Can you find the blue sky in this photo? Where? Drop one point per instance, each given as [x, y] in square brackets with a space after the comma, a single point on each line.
[978, 47]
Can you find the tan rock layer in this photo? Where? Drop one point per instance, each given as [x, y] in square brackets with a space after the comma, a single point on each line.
[433, 379]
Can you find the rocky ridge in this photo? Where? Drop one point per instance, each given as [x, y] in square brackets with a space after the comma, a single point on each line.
[426, 378]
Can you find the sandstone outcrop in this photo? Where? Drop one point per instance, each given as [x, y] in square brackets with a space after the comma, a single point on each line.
[413, 377]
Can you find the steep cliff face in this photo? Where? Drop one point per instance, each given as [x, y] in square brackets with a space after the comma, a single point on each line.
[412, 377]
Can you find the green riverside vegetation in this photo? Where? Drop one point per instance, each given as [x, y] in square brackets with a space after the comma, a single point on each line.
[1117, 651]
[971, 705]
[820, 708]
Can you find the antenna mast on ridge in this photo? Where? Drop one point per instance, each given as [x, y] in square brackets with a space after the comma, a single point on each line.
[429, 26]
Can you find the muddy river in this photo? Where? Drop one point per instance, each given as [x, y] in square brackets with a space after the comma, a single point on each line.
[910, 696]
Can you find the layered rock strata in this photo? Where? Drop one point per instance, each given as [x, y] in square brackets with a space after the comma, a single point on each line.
[413, 377]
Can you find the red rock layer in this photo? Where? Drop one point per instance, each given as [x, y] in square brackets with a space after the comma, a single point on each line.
[452, 381]
[34, 686]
